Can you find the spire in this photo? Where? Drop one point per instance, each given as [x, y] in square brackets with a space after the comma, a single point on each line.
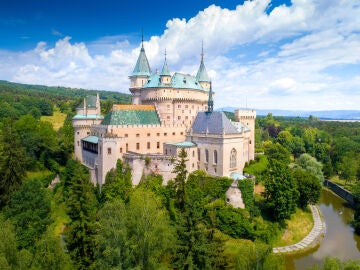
[165, 69]
[142, 67]
[210, 100]
[202, 75]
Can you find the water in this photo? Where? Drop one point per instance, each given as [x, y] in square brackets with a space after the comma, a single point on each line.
[340, 240]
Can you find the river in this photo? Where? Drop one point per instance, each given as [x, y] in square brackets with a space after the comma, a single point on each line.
[340, 240]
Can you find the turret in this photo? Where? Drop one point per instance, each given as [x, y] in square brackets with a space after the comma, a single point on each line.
[165, 76]
[140, 74]
[202, 77]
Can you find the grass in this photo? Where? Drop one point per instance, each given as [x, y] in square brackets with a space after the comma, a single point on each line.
[30, 175]
[257, 167]
[57, 119]
[297, 228]
[58, 210]
[341, 182]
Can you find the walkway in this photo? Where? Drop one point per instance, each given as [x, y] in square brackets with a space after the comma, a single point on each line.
[313, 237]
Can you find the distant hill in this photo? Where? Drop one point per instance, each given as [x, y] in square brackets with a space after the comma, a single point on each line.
[330, 114]
[68, 92]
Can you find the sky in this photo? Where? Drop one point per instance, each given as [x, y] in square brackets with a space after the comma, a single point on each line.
[263, 54]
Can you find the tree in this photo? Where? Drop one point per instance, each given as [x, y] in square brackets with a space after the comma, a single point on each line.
[150, 235]
[281, 192]
[12, 162]
[180, 179]
[49, 254]
[118, 183]
[308, 186]
[285, 138]
[298, 146]
[30, 210]
[349, 166]
[81, 208]
[311, 165]
[277, 151]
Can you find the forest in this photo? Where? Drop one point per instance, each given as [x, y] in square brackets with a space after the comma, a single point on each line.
[186, 224]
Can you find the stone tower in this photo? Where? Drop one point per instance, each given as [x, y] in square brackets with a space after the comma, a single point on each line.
[247, 118]
[140, 75]
[87, 115]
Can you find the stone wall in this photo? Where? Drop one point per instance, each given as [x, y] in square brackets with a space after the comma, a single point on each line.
[343, 193]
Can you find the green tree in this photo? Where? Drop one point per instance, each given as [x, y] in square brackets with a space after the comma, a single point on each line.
[180, 179]
[118, 182]
[277, 152]
[285, 138]
[298, 146]
[150, 234]
[349, 166]
[12, 162]
[81, 208]
[281, 192]
[30, 211]
[112, 243]
[311, 165]
[308, 186]
[50, 254]
[8, 250]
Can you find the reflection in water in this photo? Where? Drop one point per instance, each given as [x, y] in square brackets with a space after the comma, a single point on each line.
[339, 241]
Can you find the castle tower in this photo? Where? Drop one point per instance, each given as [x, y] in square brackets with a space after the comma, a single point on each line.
[247, 118]
[202, 77]
[87, 115]
[140, 75]
[165, 76]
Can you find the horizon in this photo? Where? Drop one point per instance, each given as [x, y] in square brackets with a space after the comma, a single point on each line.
[269, 55]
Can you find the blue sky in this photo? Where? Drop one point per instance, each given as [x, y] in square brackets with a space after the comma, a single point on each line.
[303, 54]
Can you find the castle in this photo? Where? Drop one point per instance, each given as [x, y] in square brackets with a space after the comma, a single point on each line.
[169, 112]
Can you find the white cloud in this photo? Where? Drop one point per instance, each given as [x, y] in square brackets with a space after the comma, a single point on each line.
[285, 59]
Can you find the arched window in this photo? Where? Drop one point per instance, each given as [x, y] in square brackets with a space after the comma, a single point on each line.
[198, 154]
[206, 155]
[233, 158]
[215, 157]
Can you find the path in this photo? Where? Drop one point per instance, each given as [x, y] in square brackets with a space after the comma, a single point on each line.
[315, 235]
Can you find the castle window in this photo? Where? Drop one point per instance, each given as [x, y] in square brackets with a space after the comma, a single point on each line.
[78, 143]
[158, 145]
[127, 147]
[126, 135]
[206, 155]
[158, 134]
[186, 117]
[215, 170]
[168, 106]
[173, 133]
[179, 106]
[193, 154]
[148, 134]
[109, 151]
[148, 145]
[78, 133]
[88, 133]
[137, 135]
[165, 134]
[199, 154]
[120, 149]
[179, 117]
[186, 106]
[215, 157]
[168, 117]
[193, 165]
[137, 146]
[165, 151]
[250, 142]
[181, 133]
[233, 158]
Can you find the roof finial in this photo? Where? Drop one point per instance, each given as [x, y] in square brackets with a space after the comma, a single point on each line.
[142, 37]
[210, 101]
[202, 50]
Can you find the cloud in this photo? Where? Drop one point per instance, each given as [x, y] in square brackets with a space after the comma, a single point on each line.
[291, 57]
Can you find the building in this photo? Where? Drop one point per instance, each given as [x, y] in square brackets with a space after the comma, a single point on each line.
[169, 112]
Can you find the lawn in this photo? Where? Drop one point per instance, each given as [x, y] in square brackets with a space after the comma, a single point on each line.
[297, 228]
[57, 119]
[341, 182]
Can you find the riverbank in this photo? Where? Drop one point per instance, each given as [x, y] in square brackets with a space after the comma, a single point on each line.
[312, 239]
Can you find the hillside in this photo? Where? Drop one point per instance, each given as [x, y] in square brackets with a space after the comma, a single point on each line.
[64, 91]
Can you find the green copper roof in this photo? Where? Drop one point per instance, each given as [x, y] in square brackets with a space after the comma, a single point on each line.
[142, 67]
[178, 80]
[183, 144]
[237, 176]
[202, 75]
[131, 117]
[165, 70]
[91, 139]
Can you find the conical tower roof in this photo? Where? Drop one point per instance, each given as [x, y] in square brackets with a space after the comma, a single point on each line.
[165, 70]
[142, 67]
[202, 75]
